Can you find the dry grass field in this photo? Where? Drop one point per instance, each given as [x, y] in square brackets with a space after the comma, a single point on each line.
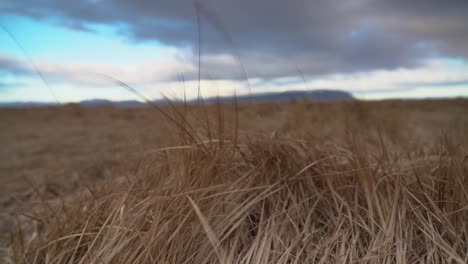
[299, 182]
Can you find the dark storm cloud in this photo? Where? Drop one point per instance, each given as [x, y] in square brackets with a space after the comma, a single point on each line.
[273, 36]
[443, 23]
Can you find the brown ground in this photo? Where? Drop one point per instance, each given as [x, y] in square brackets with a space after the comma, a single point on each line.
[59, 150]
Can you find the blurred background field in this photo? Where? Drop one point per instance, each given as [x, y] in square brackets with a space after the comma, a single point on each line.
[53, 153]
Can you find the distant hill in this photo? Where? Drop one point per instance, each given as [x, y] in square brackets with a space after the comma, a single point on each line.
[25, 104]
[316, 95]
[95, 102]
[103, 102]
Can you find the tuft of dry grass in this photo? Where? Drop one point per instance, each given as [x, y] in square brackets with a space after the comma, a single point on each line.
[362, 185]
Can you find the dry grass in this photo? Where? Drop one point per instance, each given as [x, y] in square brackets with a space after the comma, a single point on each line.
[376, 182]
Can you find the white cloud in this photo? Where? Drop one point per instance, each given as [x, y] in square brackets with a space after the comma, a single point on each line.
[78, 81]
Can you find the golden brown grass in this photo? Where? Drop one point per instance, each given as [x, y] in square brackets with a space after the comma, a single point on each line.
[376, 182]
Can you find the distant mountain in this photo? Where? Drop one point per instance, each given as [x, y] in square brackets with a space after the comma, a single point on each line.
[316, 95]
[14, 105]
[103, 102]
[130, 103]
[96, 102]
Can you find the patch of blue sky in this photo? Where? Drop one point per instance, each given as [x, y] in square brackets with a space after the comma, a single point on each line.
[7, 85]
[456, 63]
[101, 43]
[421, 44]
[355, 34]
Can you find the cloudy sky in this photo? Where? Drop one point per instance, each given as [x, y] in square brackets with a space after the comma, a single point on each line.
[59, 50]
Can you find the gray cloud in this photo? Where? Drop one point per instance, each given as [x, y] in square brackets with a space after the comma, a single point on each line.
[13, 66]
[272, 36]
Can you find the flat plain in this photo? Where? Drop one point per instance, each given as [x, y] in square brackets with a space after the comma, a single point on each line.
[297, 182]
